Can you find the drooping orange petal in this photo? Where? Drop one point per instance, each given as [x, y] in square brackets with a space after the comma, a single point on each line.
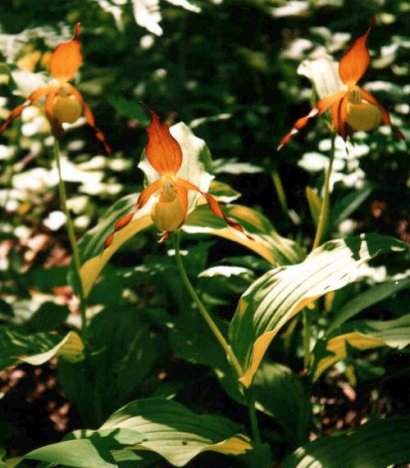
[385, 115]
[67, 58]
[32, 99]
[121, 223]
[356, 59]
[146, 194]
[213, 204]
[163, 151]
[127, 218]
[320, 107]
[89, 117]
[338, 114]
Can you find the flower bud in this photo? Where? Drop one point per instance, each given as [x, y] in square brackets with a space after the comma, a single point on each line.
[67, 108]
[168, 214]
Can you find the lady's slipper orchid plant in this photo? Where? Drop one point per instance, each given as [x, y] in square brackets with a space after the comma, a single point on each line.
[63, 102]
[168, 214]
[351, 108]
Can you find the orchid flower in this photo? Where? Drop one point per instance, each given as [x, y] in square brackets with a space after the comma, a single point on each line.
[351, 108]
[63, 102]
[168, 214]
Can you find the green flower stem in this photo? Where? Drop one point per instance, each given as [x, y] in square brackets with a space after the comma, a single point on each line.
[217, 333]
[324, 209]
[72, 239]
[320, 232]
[202, 310]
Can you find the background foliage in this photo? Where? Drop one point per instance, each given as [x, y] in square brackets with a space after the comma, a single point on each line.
[228, 69]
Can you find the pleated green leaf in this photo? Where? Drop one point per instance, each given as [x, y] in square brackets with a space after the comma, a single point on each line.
[377, 444]
[87, 449]
[265, 241]
[37, 348]
[176, 433]
[281, 293]
[360, 335]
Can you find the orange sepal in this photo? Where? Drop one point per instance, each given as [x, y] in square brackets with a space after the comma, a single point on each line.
[320, 107]
[213, 204]
[385, 115]
[356, 59]
[163, 151]
[67, 58]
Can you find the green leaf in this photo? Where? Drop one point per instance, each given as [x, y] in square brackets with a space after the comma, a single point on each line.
[124, 352]
[365, 300]
[360, 335]
[93, 255]
[176, 433]
[347, 205]
[377, 444]
[265, 241]
[37, 348]
[281, 293]
[315, 203]
[280, 393]
[87, 449]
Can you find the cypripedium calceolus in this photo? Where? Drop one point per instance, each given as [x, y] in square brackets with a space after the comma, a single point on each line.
[170, 210]
[351, 108]
[63, 102]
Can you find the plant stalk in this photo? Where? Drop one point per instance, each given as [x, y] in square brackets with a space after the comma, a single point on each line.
[324, 209]
[218, 335]
[72, 239]
[202, 309]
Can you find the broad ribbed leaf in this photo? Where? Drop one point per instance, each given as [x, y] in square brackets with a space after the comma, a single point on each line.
[360, 335]
[37, 348]
[87, 449]
[265, 241]
[377, 444]
[176, 433]
[281, 293]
